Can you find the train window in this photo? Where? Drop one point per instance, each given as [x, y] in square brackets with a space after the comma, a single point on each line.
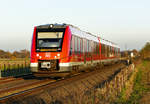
[110, 49]
[114, 49]
[107, 51]
[98, 52]
[84, 45]
[102, 49]
[76, 44]
[92, 47]
[95, 49]
[118, 51]
[79, 45]
[71, 45]
[87, 48]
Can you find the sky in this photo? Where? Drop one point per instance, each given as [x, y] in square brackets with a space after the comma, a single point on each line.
[125, 22]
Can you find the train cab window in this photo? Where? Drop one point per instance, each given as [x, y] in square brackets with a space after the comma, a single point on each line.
[49, 40]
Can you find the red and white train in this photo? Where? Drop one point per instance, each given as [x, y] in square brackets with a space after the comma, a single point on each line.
[62, 48]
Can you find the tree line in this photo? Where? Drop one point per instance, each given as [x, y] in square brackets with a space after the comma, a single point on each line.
[145, 51]
[16, 54]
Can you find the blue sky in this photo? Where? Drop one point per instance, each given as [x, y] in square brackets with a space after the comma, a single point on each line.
[126, 22]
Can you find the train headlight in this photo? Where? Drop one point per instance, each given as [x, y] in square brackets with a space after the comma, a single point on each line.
[37, 55]
[51, 25]
[58, 54]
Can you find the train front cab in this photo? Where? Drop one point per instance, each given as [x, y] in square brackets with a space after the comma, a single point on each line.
[50, 49]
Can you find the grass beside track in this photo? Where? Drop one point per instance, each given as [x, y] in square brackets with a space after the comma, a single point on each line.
[140, 86]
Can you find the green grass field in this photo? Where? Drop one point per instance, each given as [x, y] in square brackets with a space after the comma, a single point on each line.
[141, 86]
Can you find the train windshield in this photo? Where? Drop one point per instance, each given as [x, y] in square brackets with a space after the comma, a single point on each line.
[49, 41]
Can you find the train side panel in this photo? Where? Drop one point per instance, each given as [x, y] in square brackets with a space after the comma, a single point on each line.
[64, 62]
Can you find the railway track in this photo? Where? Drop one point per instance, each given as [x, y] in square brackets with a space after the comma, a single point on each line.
[24, 86]
[32, 86]
[12, 85]
[6, 80]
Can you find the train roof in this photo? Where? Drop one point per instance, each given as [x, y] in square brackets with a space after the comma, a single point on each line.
[76, 31]
[51, 26]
